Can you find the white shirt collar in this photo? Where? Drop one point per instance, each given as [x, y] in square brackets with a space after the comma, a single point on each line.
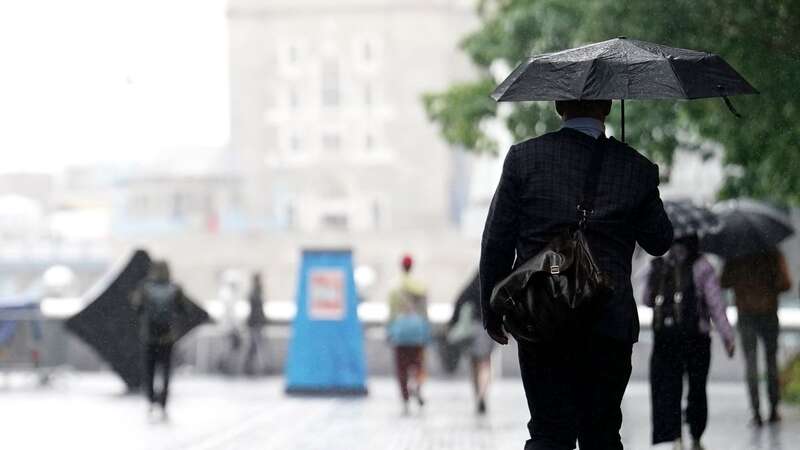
[587, 125]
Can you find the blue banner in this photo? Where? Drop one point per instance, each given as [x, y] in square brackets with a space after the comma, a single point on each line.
[326, 351]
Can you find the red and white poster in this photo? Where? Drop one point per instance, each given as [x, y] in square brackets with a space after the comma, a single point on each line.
[326, 299]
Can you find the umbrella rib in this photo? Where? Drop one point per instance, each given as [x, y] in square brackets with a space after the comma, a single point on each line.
[661, 54]
[627, 90]
[586, 76]
[677, 78]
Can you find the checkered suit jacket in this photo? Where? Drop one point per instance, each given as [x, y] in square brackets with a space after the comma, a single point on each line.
[538, 194]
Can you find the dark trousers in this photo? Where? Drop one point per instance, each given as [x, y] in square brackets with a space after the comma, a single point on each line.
[253, 358]
[157, 356]
[574, 392]
[751, 328]
[675, 354]
[408, 358]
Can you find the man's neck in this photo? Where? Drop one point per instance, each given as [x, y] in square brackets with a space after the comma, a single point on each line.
[588, 125]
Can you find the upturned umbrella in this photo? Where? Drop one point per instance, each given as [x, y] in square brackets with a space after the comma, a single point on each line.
[111, 326]
[690, 219]
[747, 227]
[620, 69]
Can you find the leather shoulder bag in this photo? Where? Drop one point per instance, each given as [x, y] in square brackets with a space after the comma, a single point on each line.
[558, 290]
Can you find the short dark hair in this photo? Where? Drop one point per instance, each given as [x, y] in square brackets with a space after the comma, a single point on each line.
[583, 108]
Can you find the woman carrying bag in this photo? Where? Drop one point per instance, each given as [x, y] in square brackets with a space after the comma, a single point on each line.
[409, 331]
[465, 330]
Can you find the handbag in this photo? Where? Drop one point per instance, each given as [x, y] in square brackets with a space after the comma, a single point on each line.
[554, 293]
[463, 331]
[409, 329]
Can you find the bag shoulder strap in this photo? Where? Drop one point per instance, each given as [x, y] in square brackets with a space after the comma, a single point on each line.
[586, 205]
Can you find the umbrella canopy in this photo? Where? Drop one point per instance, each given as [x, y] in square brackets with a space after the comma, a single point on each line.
[622, 68]
[689, 219]
[747, 227]
[111, 326]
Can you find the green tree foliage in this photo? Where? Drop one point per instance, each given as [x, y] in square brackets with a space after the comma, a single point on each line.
[760, 38]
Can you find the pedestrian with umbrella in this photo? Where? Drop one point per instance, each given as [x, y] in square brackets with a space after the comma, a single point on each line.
[110, 326]
[575, 190]
[756, 271]
[623, 69]
[684, 292]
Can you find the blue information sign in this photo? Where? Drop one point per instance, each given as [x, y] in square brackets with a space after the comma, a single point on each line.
[326, 350]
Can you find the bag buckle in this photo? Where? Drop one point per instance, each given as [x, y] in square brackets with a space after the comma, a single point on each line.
[555, 269]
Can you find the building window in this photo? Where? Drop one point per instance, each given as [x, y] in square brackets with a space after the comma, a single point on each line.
[234, 199]
[295, 143]
[368, 100]
[335, 221]
[367, 51]
[293, 55]
[289, 218]
[330, 83]
[178, 206]
[331, 141]
[290, 57]
[376, 214]
[294, 98]
[140, 205]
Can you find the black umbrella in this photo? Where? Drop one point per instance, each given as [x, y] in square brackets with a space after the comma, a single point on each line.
[690, 219]
[110, 325]
[622, 69]
[748, 227]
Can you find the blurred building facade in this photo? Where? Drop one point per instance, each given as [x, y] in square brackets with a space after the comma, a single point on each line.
[185, 191]
[331, 138]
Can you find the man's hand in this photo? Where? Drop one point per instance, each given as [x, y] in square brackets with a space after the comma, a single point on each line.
[496, 332]
[730, 347]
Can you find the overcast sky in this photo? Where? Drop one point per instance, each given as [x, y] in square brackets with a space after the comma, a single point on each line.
[109, 80]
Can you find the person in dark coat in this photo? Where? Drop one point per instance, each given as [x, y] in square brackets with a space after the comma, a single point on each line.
[757, 281]
[464, 330]
[574, 389]
[682, 339]
[256, 321]
[160, 303]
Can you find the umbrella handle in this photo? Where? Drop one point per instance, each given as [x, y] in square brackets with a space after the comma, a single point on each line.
[730, 107]
[622, 117]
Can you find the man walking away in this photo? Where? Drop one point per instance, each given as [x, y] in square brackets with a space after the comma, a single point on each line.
[160, 303]
[757, 280]
[409, 331]
[574, 387]
[256, 320]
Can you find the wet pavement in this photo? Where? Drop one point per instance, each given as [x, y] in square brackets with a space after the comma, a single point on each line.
[87, 411]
